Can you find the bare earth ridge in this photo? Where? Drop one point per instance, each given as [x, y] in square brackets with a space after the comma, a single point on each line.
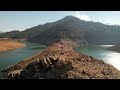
[51, 64]
[9, 44]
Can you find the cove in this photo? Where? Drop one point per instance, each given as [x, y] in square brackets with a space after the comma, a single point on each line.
[101, 52]
[12, 57]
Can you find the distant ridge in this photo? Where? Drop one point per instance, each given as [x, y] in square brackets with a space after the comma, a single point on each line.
[115, 48]
[72, 28]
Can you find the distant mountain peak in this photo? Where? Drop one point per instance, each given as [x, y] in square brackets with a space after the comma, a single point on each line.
[70, 17]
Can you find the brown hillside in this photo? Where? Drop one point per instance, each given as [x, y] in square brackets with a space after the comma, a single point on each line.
[9, 44]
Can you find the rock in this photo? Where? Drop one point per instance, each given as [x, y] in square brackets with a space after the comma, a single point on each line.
[48, 60]
[13, 74]
[37, 60]
[44, 62]
[37, 75]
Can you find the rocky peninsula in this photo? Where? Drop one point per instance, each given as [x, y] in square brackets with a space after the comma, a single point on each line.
[51, 64]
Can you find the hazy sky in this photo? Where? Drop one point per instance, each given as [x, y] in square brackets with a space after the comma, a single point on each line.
[21, 20]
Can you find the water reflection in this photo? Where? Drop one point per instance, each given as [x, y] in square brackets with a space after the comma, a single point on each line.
[106, 45]
[112, 58]
[101, 52]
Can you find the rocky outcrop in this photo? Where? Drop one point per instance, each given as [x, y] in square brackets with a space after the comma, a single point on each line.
[52, 64]
[115, 48]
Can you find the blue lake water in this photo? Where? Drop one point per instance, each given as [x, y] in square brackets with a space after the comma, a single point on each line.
[12, 57]
[103, 53]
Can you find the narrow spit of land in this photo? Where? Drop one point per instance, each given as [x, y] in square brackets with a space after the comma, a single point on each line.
[51, 64]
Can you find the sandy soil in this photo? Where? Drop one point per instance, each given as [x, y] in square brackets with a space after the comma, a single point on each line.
[9, 44]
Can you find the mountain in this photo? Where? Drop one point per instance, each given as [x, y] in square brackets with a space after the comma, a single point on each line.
[115, 48]
[62, 29]
[71, 28]
[10, 34]
[51, 64]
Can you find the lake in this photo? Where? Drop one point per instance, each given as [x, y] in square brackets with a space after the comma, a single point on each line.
[12, 57]
[101, 52]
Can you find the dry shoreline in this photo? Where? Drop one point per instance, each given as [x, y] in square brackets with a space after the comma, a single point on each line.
[9, 44]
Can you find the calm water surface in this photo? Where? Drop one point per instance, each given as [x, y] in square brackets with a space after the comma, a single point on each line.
[14, 56]
[102, 52]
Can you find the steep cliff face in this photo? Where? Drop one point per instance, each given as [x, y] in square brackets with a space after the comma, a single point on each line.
[52, 64]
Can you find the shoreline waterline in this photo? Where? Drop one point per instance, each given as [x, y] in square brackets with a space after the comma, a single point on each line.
[102, 52]
[12, 57]
[8, 44]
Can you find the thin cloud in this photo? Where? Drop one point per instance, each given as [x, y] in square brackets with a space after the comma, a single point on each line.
[81, 16]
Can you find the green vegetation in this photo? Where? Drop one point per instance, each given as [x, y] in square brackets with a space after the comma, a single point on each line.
[11, 34]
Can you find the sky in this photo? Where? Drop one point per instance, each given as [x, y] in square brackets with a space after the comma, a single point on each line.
[21, 20]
